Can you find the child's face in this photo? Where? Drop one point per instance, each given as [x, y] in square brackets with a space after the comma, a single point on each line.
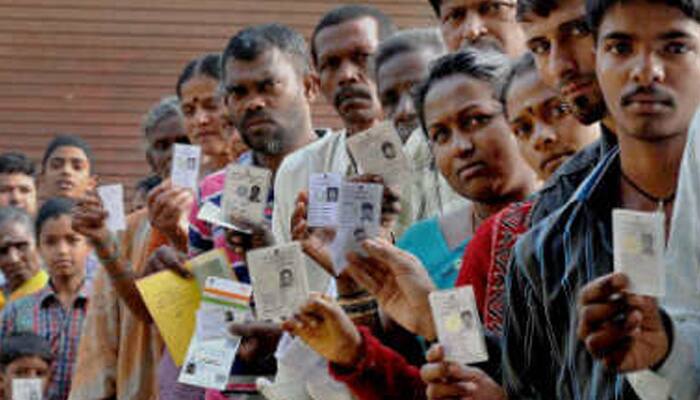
[31, 367]
[67, 173]
[64, 250]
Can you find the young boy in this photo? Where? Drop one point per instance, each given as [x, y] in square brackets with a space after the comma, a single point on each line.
[56, 312]
[67, 168]
[25, 355]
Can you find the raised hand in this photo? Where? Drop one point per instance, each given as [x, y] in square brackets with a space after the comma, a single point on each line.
[623, 330]
[314, 241]
[399, 282]
[325, 327]
[168, 207]
[451, 380]
[166, 258]
[252, 236]
[90, 218]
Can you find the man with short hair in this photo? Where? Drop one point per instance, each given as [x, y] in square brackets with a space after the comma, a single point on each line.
[480, 23]
[341, 46]
[17, 182]
[25, 355]
[562, 45]
[555, 344]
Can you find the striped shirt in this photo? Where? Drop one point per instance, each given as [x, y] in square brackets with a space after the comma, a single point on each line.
[43, 314]
[542, 355]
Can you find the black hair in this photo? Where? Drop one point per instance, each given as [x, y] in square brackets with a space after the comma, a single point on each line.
[436, 6]
[486, 65]
[24, 344]
[67, 141]
[596, 9]
[148, 183]
[53, 208]
[16, 163]
[248, 44]
[541, 8]
[347, 13]
[520, 67]
[407, 41]
[16, 215]
[208, 65]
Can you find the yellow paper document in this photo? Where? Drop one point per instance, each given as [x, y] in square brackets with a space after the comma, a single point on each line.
[173, 303]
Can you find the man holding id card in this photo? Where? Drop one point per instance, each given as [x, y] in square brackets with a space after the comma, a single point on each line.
[590, 277]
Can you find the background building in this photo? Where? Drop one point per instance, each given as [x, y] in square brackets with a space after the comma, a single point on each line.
[93, 67]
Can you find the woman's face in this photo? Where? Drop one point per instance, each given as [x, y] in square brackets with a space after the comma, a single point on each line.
[205, 115]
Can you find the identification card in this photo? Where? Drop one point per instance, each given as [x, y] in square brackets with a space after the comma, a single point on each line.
[27, 389]
[361, 204]
[213, 263]
[639, 242]
[223, 302]
[324, 199]
[212, 214]
[208, 362]
[245, 193]
[458, 326]
[379, 151]
[185, 166]
[113, 202]
[280, 284]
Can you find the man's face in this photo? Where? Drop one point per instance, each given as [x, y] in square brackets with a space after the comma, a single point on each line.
[205, 114]
[160, 144]
[563, 48]
[547, 132]
[18, 190]
[26, 368]
[64, 251]
[268, 99]
[19, 259]
[490, 23]
[67, 173]
[470, 138]
[648, 63]
[342, 56]
[396, 78]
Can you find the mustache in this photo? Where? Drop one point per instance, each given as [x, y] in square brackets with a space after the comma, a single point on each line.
[348, 92]
[256, 114]
[652, 93]
[483, 43]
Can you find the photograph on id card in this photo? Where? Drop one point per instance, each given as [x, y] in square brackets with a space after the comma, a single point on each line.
[458, 325]
[112, 197]
[324, 199]
[185, 167]
[280, 284]
[379, 151]
[361, 204]
[638, 250]
[245, 193]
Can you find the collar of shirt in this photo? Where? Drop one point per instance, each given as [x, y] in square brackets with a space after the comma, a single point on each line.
[48, 296]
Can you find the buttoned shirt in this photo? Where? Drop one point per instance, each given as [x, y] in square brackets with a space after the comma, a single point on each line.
[43, 314]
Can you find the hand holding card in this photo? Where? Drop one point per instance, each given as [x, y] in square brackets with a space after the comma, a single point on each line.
[245, 193]
[458, 325]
